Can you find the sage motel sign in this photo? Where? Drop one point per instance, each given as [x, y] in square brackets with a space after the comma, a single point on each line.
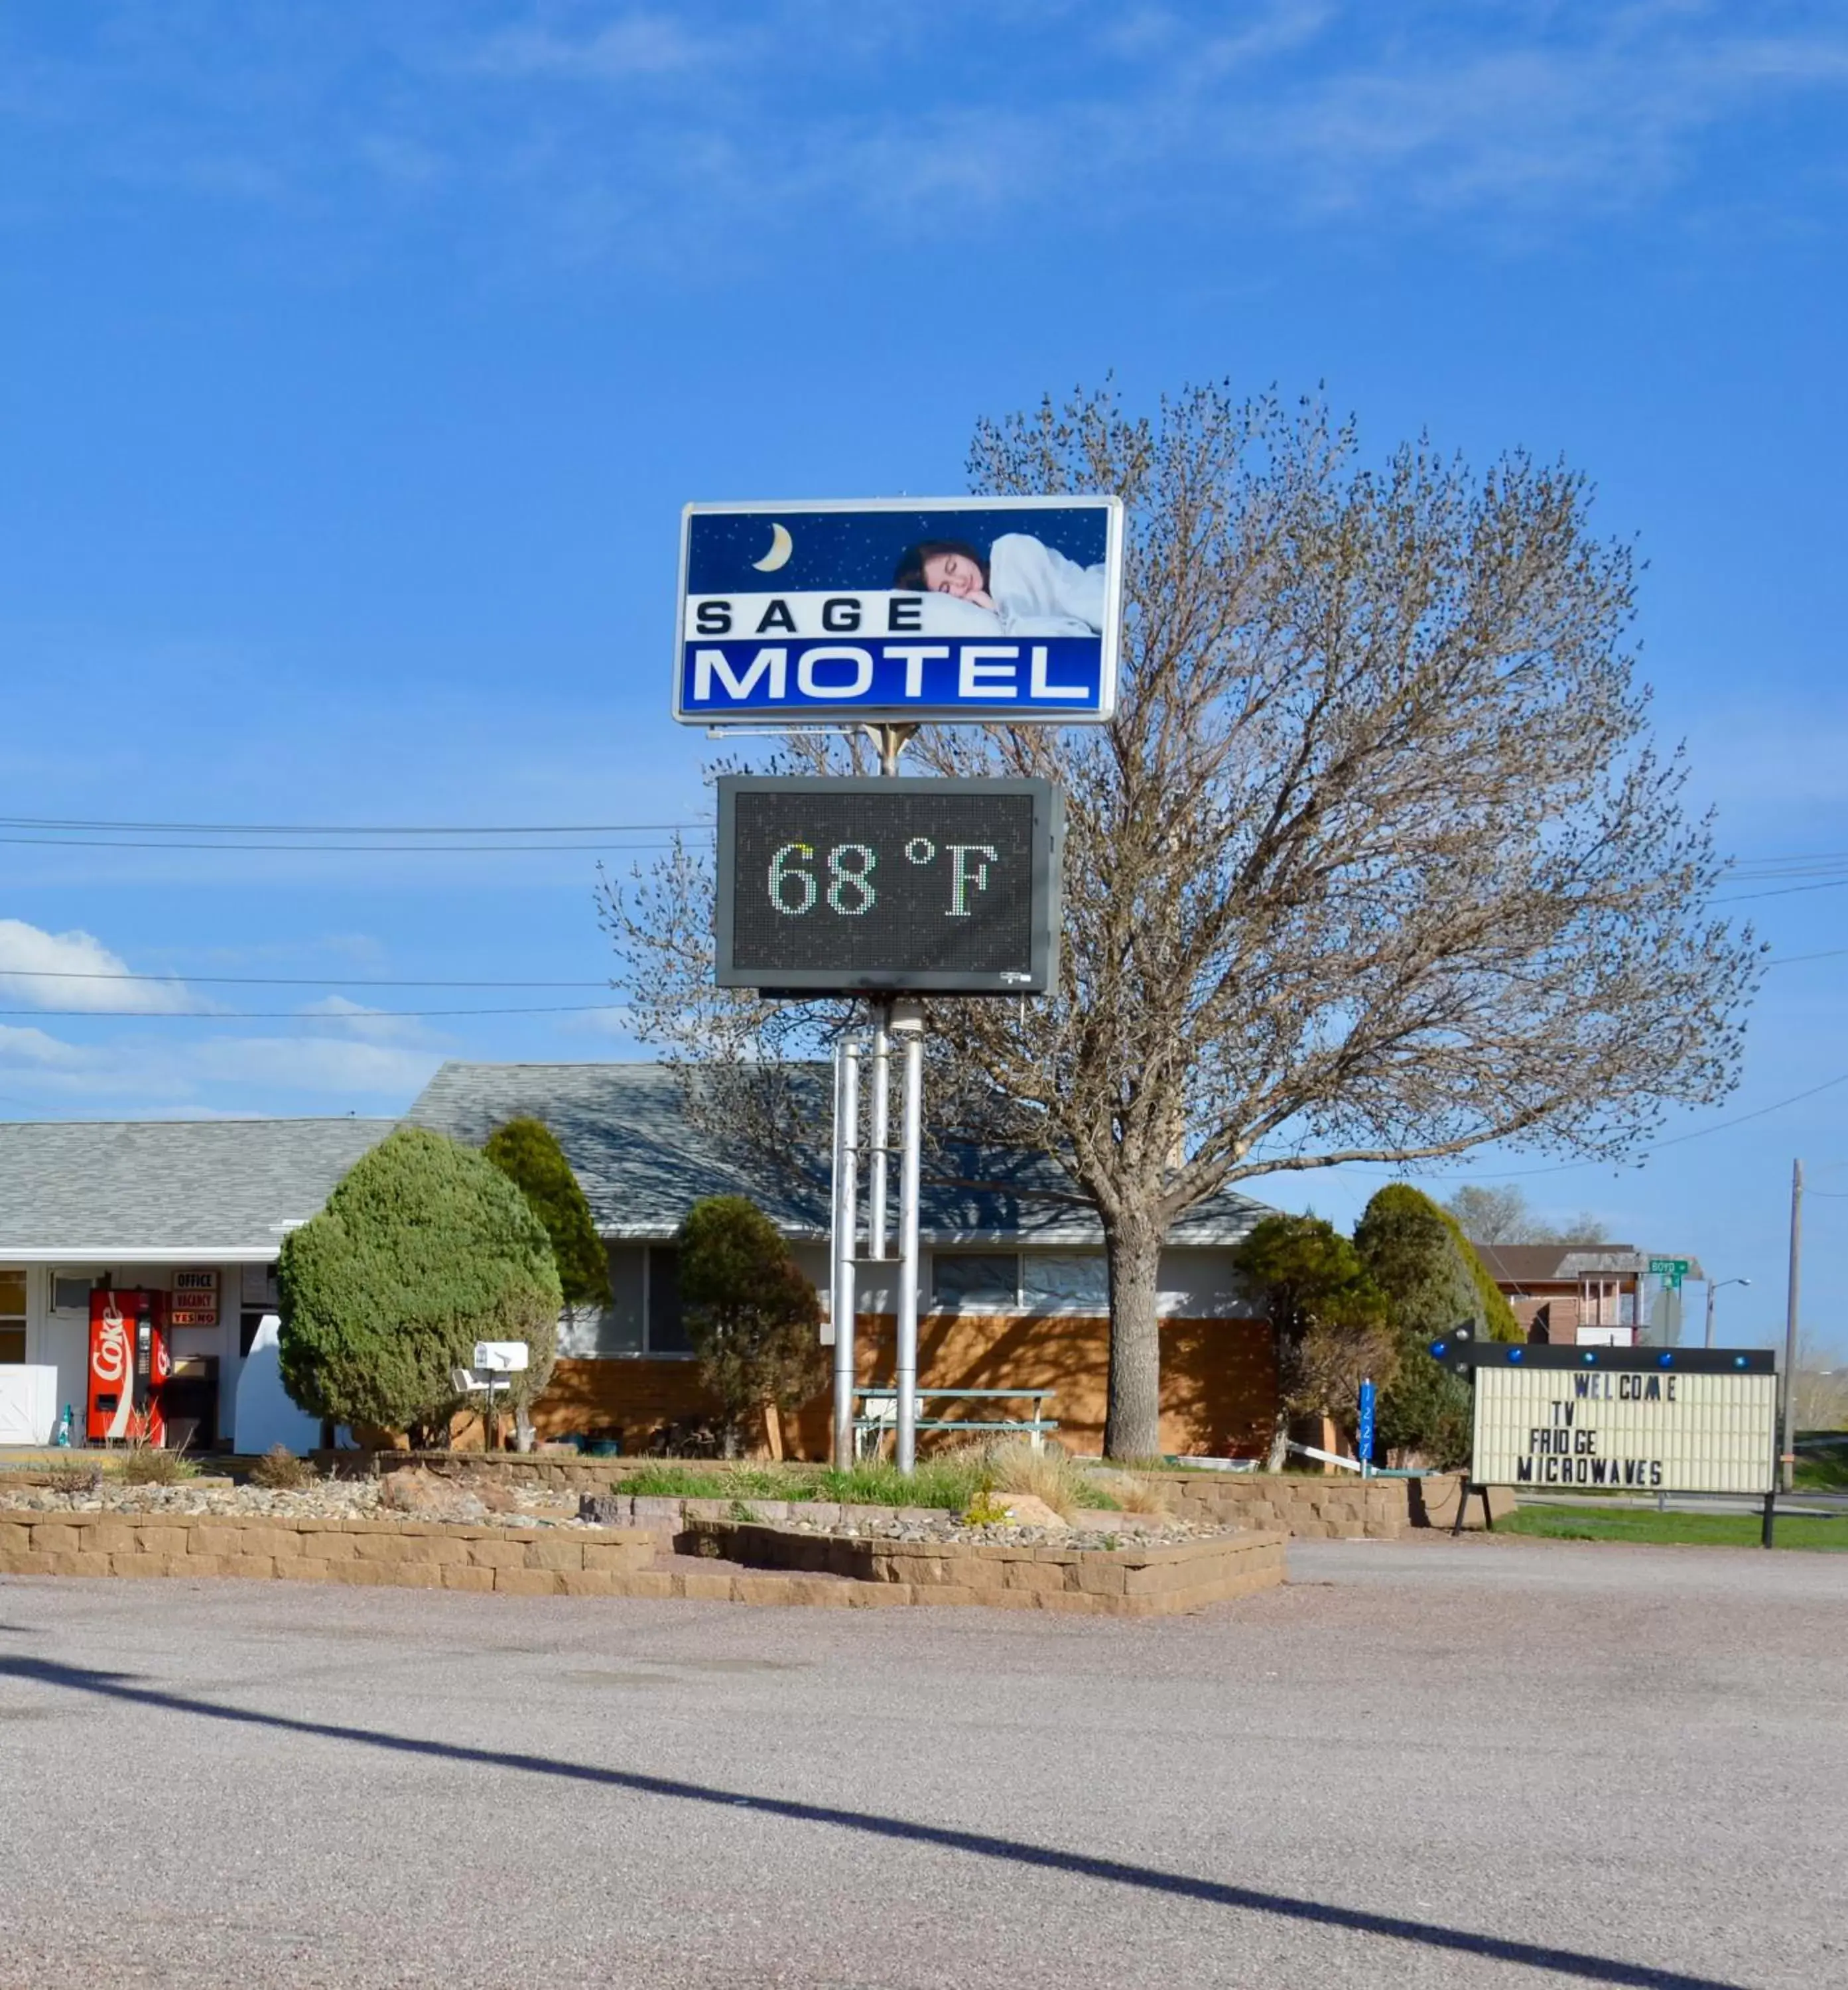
[880, 886]
[985, 609]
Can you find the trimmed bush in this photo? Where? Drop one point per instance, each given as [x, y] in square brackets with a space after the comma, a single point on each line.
[753, 1318]
[1495, 1317]
[1326, 1312]
[424, 1249]
[527, 1152]
[1411, 1255]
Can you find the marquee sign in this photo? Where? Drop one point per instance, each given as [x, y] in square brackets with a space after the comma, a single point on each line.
[840, 886]
[1622, 1419]
[982, 610]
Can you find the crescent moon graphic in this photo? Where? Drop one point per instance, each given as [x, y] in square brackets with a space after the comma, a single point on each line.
[782, 545]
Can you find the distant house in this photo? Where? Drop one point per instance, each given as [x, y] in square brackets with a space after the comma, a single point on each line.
[1014, 1291]
[1579, 1295]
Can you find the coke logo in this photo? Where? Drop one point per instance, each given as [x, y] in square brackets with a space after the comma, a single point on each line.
[109, 1358]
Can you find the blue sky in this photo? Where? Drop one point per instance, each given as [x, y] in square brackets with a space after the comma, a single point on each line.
[359, 356]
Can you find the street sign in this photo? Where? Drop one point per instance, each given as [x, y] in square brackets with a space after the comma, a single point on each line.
[988, 610]
[1671, 1270]
[879, 886]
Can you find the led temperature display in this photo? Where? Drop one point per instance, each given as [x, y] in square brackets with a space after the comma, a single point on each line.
[943, 886]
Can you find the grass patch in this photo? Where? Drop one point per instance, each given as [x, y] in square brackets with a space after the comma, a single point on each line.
[1823, 1470]
[670, 1481]
[950, 1479]
[1735, 1531]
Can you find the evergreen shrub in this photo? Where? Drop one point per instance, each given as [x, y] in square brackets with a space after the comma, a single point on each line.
[424, 1249]
[527, 1152]
[753, 1318]
[1412, 1256]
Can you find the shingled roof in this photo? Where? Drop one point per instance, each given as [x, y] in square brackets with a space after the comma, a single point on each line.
[152, 1190]
[644, 1161]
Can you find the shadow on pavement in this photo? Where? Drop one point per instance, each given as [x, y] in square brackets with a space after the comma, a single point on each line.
[1561, 1961]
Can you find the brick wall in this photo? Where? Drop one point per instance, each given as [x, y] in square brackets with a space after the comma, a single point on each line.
[1562, 1304]
[1218, 1381]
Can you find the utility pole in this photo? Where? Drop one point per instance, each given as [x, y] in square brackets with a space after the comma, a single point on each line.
[1792, 1308]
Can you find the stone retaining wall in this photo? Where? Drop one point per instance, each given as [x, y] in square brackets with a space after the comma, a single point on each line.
[810, 1569]
[1309, 1506]
[1114, 1582]
[411, 1554]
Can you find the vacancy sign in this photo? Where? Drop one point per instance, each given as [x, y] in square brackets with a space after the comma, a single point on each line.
[985, 610]
[1635, 1419]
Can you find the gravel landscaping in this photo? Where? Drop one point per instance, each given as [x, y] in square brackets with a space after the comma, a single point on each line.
[402, 1497]
[1123, 1530]
[483, 1499]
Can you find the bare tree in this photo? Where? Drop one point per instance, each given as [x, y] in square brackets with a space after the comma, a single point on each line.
[1375, 862]
[1503, 1215]
[1821, 1388]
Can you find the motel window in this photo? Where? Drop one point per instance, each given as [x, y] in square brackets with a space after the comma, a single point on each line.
[975, 1281]
[1012, 1281]
[70, 1292]
[12, 1318]
[667, 1328]
[1054, 1282]
[644, 1315]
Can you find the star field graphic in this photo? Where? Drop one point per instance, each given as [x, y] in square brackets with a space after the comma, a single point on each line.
[852, 548]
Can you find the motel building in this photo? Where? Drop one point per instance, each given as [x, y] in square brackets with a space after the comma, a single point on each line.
[184, 1217]
[183, 1221]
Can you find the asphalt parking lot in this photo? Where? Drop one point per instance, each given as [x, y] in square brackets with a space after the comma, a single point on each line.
[1466, 1763]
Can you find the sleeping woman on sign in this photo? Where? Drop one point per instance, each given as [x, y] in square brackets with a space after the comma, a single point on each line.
[1034, 590]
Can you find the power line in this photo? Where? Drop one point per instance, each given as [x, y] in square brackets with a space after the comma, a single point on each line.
[1784, 891]
[271, 980]
[316, 1015]
[323, 849]
[358, 828]
[1674, 1140]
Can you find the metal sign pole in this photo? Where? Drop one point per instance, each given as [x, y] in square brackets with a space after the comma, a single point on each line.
[846, 1196]
[1787, 1466]
[879, 1190]
[908, 1022]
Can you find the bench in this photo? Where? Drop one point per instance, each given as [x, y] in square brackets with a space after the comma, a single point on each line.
[879, 1414]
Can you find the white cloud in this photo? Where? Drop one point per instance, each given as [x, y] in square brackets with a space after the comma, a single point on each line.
[376, 1025]
[638, 129]
[39, 1050]
[46, 1066]
[33, 963]
[617, 1021]
[637, 44]
[310, 1064]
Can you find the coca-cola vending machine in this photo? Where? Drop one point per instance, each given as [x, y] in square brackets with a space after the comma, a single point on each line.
[129, 1362]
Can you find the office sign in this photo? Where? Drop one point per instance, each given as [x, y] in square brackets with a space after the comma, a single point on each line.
[1692, 1419]
[988, 610]
[847, 886]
